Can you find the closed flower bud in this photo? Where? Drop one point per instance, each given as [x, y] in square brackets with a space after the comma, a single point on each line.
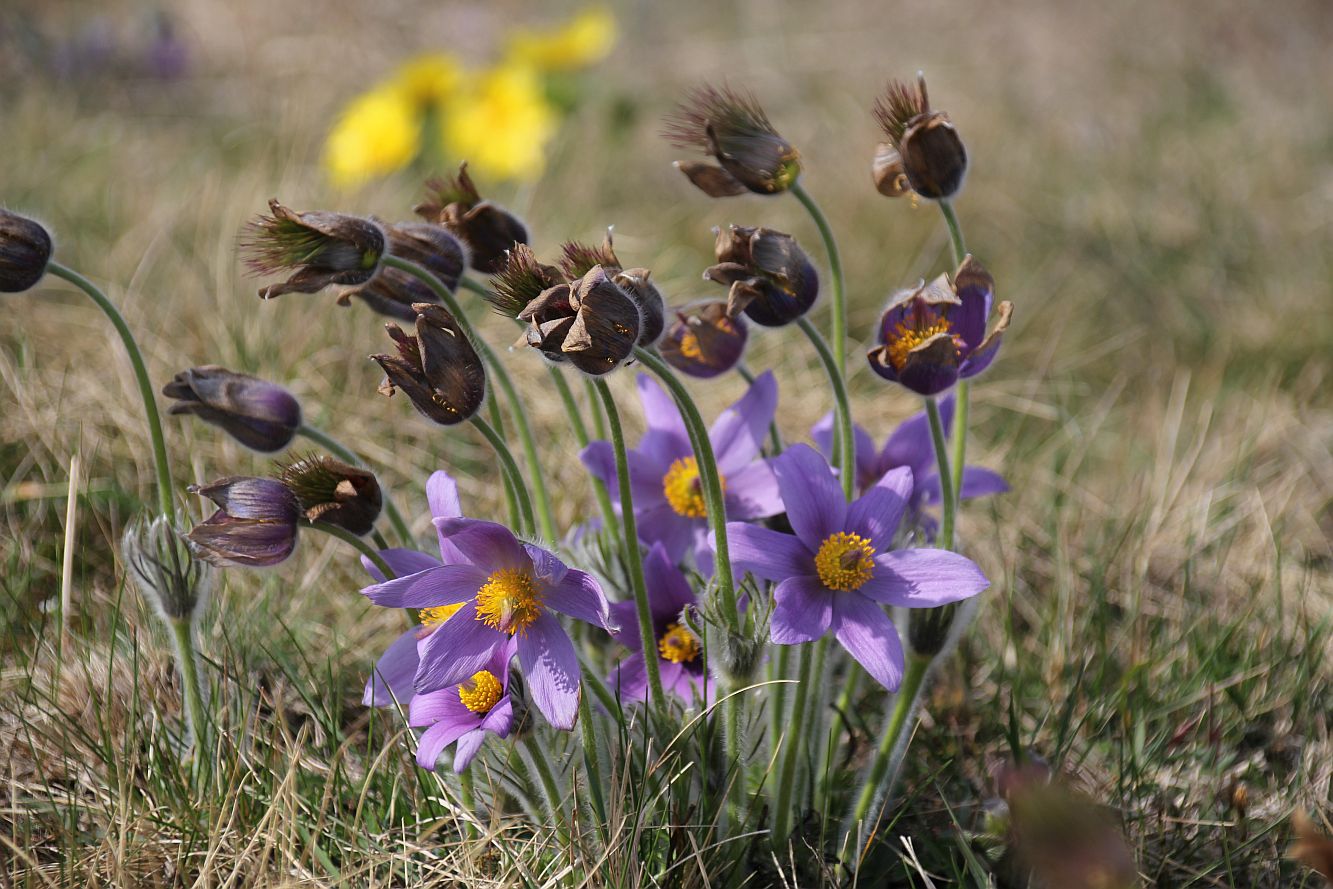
[25, 249]
[257, 413]
[164, 569]
[255, 525]
[924, 153]
[579, 259]
[393, 292]
[319, 249]
[521, 280]
[732, 128]
[334, 492]
[488, 230]
[771, 278]
[437, 367]
[703, 341]
[590, 322]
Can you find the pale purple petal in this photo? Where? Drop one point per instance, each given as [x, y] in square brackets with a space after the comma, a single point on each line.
[668, 590]
[546, 565]
[738, 433]
[625, 617]
[666, 438]
[662, 524]
[500, 720]
[867, 461]
[461, 646]
[443, 705]
[767, 554]
[442, 495]
[752, 492]
[435, 739]
[669, 672]
[390, 681]
[814, 501]
[489, 545]
[876, 513]
[923, 578]
[467, 748]
[869, 636]
[401, 562]
[441, 585]
[979, 482]
[910, 444]
[552, 670]
[599, 458]
[580, 596]
[802, 610]
[629, 679]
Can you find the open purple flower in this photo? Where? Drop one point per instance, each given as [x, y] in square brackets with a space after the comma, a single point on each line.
[909, 446]
[465, 713]
[668, 493]
[837, 571]
[507, 589]
[679, 656]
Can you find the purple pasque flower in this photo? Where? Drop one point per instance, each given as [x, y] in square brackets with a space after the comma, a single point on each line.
[935, 335]
[668, 493]
[838, 571]
[507, 589]
[909, 445]
[679, 654]
[465, 712]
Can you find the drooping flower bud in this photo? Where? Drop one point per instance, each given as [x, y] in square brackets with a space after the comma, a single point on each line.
[319, 249]
[488, 230]
[437, 367]
[164, 569]
[924, 153]
[579, 259]
[255, 525]
[730, 126]
[771, 278]
[255, 412]
[25, 249]
[591, 322]
[393, 292]
[521, 280]
[334, 492]
[703, 341]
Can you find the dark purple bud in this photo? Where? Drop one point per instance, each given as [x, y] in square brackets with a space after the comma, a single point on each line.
[393, 292]
[319, 249]
[334, 492]
[770, 277]
[704, 341]
[578, 260]
[733, 128]
[438, 368]
[489, 231]
[255, 525]
[606, 324]
[25, 249]
[257, 413]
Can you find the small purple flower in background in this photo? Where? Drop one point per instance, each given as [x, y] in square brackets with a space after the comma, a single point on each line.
[465, 712]
[668, 493]
[679, 655]
[507, 589]
[837, 571]
[910, 446]
[935, 335]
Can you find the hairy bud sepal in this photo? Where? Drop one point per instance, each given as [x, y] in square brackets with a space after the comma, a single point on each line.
[331, 491]
[320, 249]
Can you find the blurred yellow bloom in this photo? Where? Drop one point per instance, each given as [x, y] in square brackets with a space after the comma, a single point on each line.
[433, 78]
[501, 124]
[378, 132]
[587, 38]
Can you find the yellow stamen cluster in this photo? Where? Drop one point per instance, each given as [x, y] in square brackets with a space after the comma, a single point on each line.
[480, 693]
[431, 618]
[683, 489]
[678, 645]
[845, 561]
[508, 601]
[689, 346]
[905, 339]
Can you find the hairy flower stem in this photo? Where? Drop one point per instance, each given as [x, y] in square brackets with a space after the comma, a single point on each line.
[843, 440]
[948, 500]
[581, 436]
[632, 553]
[964, 386]
[554, 801]
[839, 302]
[501, 375]
[888, 756]
[777, 696]
[468, 799]
[511, 469]
[166, 501]
[593, 766]
[196, 718]
[334, 447]
[511, 495]
[356, 543]
[787, 774]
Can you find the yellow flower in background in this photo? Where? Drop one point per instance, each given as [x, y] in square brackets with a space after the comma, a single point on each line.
[378, 133]
[429, 79]
[501, 123]
[586, 39]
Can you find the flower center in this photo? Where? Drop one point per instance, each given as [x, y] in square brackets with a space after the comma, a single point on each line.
[845, 561]
[480, 693]
[678, 645]
[684, 490]
[508, 601]
[689, 346]
[431, 618]
[905, 339]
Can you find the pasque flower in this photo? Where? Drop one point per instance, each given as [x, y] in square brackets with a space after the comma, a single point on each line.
[579, 259]
[668, 493]
[678, 651]
[255, 412]
[25, 249]
[255, 525]
[319, 249]
[932, 336]
[771, 278]
[508, 590]
[837, 571]
[437, 367]
[465, 713]
[703, 341]
[393, 291]
[730, 126]
[331, 491]
[590, 322]
[489, 231]
[923, 153]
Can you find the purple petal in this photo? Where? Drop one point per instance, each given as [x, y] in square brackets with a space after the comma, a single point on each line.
[467, 748]
[443, 705]
[500, 720]
[580, 596]
[693, 688]
[401, 561]
[923, 578]
[552, 670]
[767, 554]
[441, 585]
[666, 438]
[625, 617]
[982, 358]
[391, 679]
[876, 513]
[869, 636]
[814, 501]
[669, 672]
[738, 433]
[442, 495]
[979, 482]
[975, 293]
[435, 739]
[802, 610]
[927, 377]
[629, 679]
[910, 444]
[488, 545]
[669, 592]
[461, 646]
[822, 435]
[662, 524]
[752, 492]
[645, 481]
[863, 444]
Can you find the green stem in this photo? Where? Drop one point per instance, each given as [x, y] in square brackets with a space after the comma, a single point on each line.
[357, 543]
[469, 801]
[501, 375]
[948, 501]
[196, 716]
[598, 421]
[964, 390]
[549, 787]
[333, 446]
[511, 494]
[628, 522]
[844, 441]
[164, 488]
[889, 752]
[511, 469]
[592, 764]
[955, 232]
[790, 756]
[839, 301]
[777, 696]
